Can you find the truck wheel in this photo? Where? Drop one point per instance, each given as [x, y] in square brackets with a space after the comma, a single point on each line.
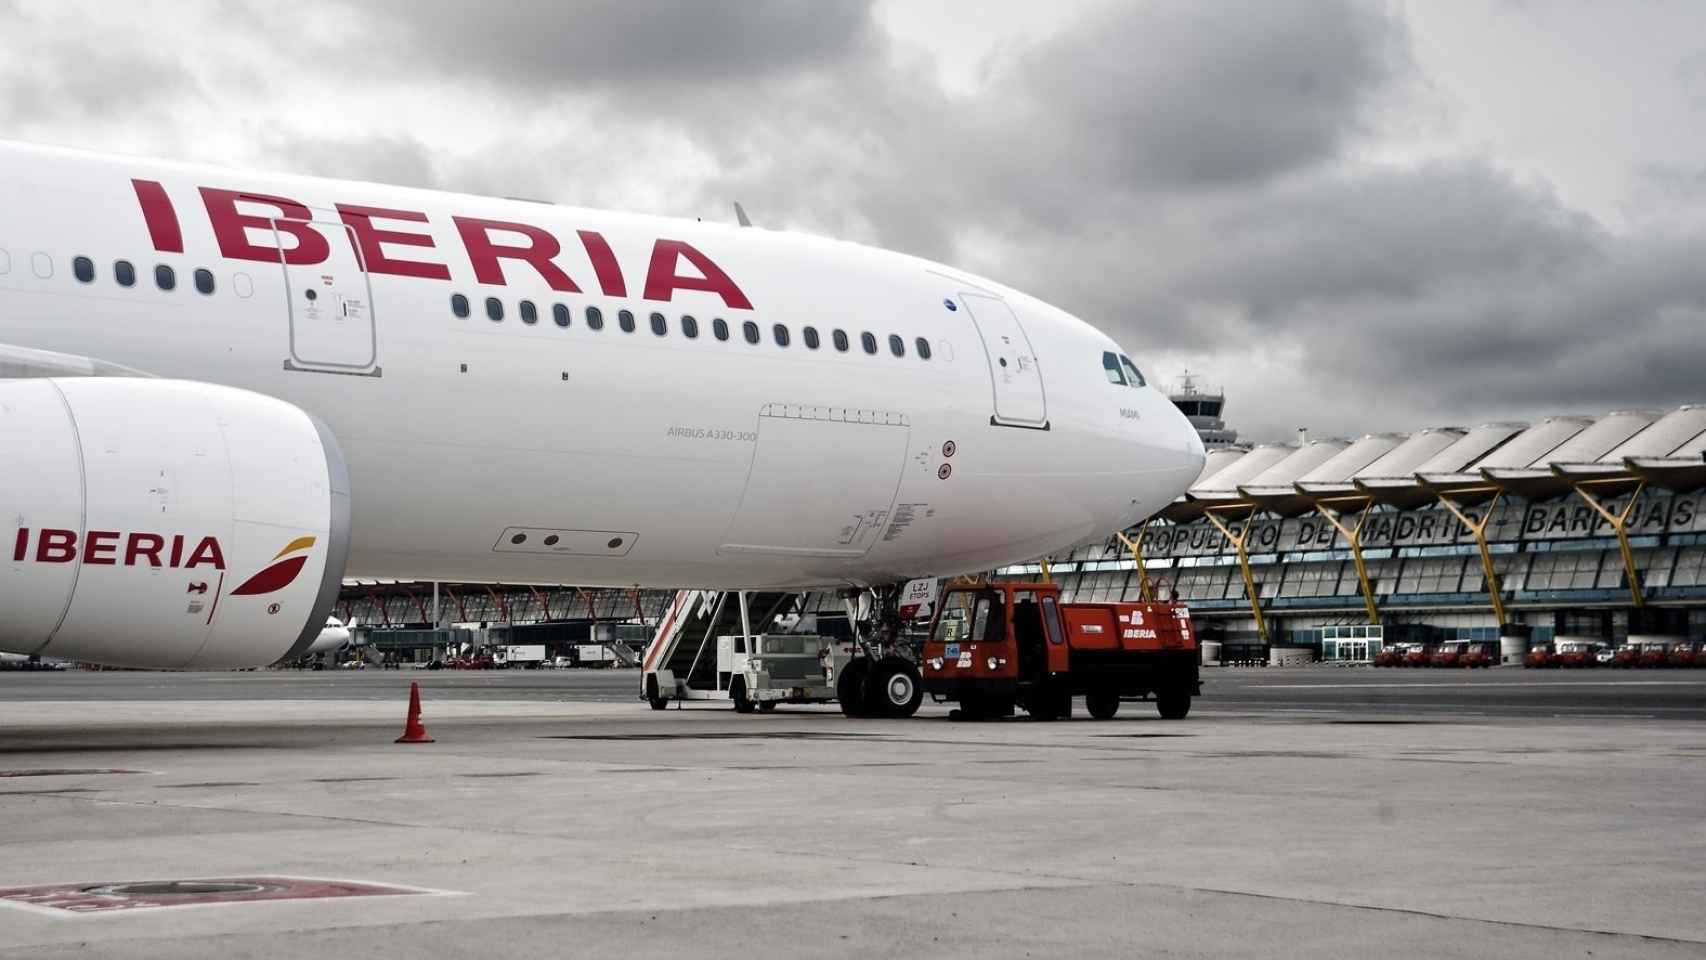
[1173, 704]
[653, 694]
[894, 688]
[850, 688]
[1102, 704]
[1049, 701]
[658, 703]
[767, 705]
[737, 693]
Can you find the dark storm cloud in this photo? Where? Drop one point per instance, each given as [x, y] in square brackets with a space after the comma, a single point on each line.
[623, 44]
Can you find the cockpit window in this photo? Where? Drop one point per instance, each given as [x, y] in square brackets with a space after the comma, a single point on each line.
[1131, 372]
[1111, 367]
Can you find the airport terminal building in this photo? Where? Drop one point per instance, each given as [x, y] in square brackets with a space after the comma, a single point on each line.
[1587, 528]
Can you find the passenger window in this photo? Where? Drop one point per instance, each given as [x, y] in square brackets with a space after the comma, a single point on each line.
[690, 327]
[494, 309]
[809, 335]
[594, 318]
[560, 314]
[458, 303]
[1131, 372]
[868, 340]
[5, 263]
[1111, 368]
[749, 330]
[124, 274]
[897, 346]
[165, 277]
[719, 329]
[625, 320]
[42, 264]
[529, 313]
[923, 348]
[204, 281]
[83, 269]
[660, 326]
[840, 338]
[781, 334]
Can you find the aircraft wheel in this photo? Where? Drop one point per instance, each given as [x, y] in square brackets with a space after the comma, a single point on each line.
[894, 688]
[1102, 704]
[737, 693]
[850, 687]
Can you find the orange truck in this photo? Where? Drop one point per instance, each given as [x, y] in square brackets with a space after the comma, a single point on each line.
[999, 646]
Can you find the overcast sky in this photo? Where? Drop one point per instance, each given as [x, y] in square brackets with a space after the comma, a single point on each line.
[1354, 216]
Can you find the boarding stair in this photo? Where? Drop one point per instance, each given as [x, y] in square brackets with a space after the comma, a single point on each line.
[686, 641]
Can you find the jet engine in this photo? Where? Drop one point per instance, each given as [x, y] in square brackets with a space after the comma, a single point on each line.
[166, 523]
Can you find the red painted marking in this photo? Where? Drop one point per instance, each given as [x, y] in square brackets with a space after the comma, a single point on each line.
[23, 544]
[100, 547]
[662, 280]
[231, 228]
[372, 240]
[484, 254]
[604, 263]
[215, 608]
[158, 214]
[273, 578]
[657, 645]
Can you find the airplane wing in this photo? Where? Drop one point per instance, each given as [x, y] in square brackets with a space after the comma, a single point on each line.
[22, 363]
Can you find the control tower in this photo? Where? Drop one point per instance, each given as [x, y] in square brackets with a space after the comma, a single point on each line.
[1205, 411]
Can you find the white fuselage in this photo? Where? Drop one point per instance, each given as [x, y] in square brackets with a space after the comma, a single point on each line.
[616, 457]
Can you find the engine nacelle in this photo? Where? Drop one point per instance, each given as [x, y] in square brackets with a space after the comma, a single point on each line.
[166, 523]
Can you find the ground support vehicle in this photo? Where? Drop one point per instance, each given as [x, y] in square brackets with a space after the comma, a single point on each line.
[999, 646]
[720, 646]
[1540, 656]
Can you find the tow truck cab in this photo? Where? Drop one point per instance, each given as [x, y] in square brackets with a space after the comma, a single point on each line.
[996, 646]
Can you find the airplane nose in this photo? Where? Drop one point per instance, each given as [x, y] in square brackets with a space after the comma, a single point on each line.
[1183, 436]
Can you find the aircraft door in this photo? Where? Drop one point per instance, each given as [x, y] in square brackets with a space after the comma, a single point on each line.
[1013, 371]
[856, 455]
[330, 303]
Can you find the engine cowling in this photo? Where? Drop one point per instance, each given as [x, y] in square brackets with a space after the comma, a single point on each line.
[166, 523]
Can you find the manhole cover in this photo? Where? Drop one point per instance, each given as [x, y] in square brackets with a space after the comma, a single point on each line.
[177, 888]
[110, 897]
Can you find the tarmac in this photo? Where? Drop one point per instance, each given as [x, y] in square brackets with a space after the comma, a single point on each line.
[1317, 812]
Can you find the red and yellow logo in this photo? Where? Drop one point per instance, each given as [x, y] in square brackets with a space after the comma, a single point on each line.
[281, 573]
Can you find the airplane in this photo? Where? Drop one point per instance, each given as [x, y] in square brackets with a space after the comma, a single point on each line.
[222, 392]
[332, 636]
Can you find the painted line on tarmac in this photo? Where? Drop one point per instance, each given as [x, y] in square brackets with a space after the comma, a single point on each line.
[1479, 686]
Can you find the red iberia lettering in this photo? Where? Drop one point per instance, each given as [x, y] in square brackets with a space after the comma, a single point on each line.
[22, 545]
[604, 263]
[143, 545]
[372, 240]
[158, 214]
[662, 280]
[100, 547]
[56, 546]
[207, 551]
[484, 253]
[232, 228]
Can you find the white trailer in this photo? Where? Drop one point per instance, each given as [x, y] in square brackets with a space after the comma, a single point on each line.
[526, 655]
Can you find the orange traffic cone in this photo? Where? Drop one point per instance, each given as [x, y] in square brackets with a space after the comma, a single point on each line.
[413, 732]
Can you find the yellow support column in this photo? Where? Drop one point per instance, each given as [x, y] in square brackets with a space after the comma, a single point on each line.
[1353, 536]
[1620, 524]
[1048, 575]
[1238, 540]
[1145, 588]
[1490, 578]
